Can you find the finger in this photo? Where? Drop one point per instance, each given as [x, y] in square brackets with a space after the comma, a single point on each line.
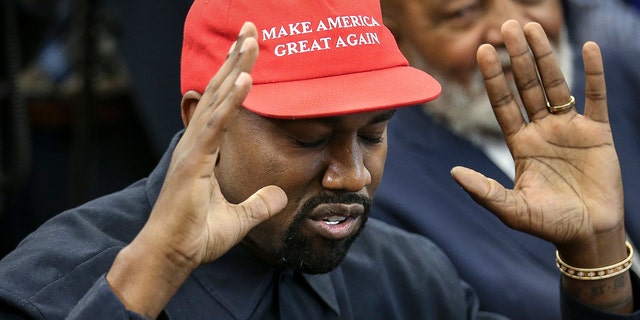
[263, 204]
[241, 57]
[555, 87]
[524, 70]
[243, 62]
[221, 101]
[504, 106]
[487, 192]
[595, 87]
[217, 121]
[236, 53]
[260, 206]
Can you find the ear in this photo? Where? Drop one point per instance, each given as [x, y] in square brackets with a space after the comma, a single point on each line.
[188, 106]
[394, 16]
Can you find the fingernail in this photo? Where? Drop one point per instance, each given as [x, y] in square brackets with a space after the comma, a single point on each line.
[244, 47]
[242, 31]
[240, 80]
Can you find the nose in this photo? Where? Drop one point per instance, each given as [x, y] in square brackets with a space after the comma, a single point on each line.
[346, 170]
[499, 12]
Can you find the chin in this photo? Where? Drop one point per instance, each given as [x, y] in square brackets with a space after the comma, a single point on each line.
[312, 255]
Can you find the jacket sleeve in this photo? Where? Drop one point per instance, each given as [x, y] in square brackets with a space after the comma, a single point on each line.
[100, 302]
[575, 310]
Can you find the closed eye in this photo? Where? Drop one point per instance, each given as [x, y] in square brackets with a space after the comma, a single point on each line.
[312, 143]
[372, 139]
[462, 16]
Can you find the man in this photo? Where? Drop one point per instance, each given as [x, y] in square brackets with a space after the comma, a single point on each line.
[258, 209]
[459, 128]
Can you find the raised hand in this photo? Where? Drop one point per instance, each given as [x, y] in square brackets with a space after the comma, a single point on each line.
[568, 187]
[209, 225]
[191, 222]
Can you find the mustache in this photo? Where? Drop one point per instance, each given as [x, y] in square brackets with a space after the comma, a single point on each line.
[344, 198]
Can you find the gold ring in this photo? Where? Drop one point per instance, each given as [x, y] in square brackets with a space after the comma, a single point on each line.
[563, 107]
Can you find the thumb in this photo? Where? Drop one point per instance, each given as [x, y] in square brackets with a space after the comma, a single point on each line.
[485, 191]
[264, 204]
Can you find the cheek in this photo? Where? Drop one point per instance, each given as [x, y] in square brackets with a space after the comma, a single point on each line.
[375, 164]
[551, 23]
[232, 177]
[245, 166]
[454, 56]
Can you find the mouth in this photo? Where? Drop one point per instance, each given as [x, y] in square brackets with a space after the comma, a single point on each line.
[335, 220]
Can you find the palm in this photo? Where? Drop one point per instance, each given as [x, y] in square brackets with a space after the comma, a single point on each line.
[566, 178]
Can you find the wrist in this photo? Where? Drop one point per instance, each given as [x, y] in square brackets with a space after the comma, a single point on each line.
[599, 250]
[145, 280]
[604, 252]
[599, 273]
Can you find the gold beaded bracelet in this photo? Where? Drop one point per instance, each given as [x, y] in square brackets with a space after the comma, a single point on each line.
[596, 273]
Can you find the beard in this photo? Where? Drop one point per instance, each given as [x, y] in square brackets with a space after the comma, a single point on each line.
[466, 110]
[299, 253]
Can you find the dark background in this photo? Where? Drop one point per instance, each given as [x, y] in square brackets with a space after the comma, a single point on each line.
[89, 94]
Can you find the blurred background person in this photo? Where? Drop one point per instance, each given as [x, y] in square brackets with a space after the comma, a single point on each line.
[507, 267]
[85, 88]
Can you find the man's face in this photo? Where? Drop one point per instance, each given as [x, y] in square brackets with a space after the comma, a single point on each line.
[442, 37]
[447, 33]
[329, 169]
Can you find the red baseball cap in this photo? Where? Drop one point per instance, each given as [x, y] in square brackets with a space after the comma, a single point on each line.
[316, 57]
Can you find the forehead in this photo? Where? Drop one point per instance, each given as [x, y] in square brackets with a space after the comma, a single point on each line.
[442, 3]
[363, 118]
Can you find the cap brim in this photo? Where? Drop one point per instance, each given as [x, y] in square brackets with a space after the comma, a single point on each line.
[344, 94]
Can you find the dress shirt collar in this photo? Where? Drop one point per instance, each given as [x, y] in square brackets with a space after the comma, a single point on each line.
[239, 280]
